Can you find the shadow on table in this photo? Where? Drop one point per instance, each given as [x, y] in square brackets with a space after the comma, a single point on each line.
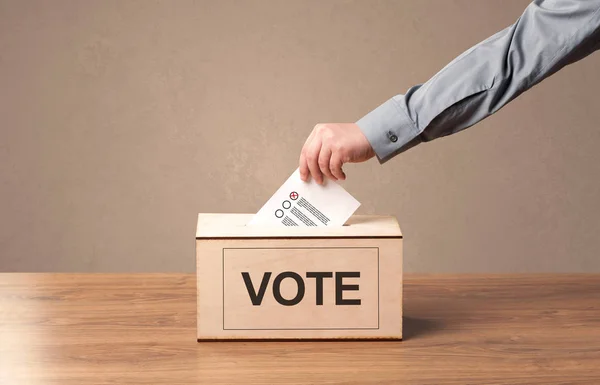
[413, 327]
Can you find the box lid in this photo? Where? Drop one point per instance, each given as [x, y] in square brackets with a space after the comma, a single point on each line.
[234, 226]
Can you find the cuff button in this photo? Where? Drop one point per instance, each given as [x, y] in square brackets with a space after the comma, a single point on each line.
[394, 138]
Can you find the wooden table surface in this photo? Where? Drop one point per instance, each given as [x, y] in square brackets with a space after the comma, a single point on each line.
[140, 329]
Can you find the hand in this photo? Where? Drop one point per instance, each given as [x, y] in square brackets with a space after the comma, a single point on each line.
[331, 145]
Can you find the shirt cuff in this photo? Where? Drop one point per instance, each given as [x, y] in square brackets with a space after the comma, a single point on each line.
[389, 130]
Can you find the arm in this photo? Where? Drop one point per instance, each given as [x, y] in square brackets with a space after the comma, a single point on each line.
[549, 35]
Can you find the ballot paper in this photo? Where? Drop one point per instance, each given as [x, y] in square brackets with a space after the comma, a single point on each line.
[299, 203]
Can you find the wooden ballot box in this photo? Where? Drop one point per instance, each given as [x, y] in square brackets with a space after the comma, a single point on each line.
[257, 282]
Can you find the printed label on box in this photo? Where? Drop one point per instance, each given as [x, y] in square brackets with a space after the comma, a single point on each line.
[301, 288]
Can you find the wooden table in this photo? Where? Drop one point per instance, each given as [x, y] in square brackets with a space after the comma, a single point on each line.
[140, 329]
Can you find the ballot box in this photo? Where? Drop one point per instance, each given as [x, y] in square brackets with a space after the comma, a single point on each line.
[259, 282]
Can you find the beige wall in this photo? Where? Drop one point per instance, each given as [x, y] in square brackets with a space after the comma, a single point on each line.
[121, 120]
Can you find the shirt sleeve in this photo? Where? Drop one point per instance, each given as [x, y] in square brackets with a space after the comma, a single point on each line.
[549, 35]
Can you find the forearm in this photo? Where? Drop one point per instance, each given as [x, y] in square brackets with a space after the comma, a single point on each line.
[548, 36]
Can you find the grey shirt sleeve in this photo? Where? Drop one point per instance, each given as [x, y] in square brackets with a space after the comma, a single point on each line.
[549, 35]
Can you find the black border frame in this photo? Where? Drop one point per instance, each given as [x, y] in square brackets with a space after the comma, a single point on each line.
[296, 248]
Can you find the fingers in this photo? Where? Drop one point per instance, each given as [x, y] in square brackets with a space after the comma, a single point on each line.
[322, 155]
[324, 160]
[303, 166]
[303, 162]
[312, 158]
[335, 165]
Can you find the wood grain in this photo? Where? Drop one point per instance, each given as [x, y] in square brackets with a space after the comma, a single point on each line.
[140, 329]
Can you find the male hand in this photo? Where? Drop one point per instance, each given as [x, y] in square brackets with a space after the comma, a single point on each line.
[331, 145]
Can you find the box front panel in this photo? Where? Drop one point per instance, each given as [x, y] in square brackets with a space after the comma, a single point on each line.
[300, 288]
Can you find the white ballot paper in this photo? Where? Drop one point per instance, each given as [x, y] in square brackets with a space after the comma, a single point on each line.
[299, 203]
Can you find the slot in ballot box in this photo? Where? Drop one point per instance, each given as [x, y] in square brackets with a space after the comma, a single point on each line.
[257, 282]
